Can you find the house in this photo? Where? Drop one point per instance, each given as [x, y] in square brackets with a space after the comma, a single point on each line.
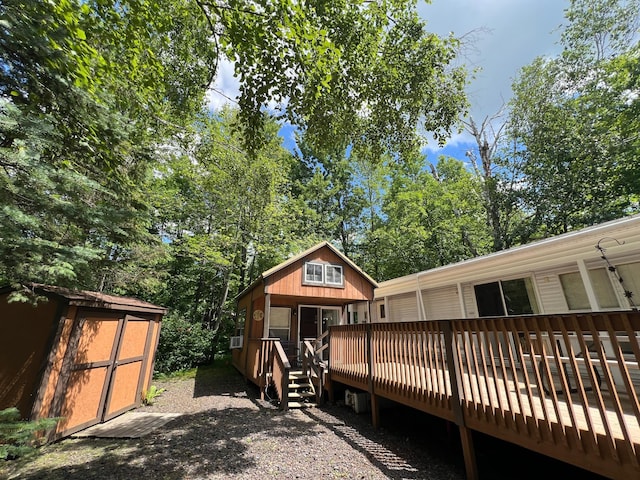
[297, 300]
[84, 357]
[588, 270]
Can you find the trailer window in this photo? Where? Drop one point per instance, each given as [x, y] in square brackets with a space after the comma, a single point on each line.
[506, 297]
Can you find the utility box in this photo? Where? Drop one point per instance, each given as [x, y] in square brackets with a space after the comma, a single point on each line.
[359, 401]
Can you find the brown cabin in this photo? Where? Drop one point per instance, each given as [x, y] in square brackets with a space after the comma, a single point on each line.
[295, 301]
[84, 357]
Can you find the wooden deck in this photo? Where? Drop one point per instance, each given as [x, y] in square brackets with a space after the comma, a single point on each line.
[564, 386]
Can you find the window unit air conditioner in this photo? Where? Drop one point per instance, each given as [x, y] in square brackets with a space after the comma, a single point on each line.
[236, 342]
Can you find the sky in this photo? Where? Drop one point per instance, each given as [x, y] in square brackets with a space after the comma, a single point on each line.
[506, 36]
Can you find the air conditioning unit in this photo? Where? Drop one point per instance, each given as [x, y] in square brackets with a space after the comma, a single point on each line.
[360, 402]
[236, 342]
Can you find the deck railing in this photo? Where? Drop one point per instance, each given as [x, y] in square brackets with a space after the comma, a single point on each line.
[566, 386]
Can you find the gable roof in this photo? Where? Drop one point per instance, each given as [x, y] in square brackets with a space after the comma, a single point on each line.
[300, 256]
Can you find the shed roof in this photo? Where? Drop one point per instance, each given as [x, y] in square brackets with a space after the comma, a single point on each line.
[85, 298]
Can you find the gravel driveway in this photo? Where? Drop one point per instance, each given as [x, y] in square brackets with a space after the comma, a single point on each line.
[226, 431]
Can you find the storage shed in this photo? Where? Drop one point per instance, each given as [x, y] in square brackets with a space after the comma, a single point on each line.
[85, 357]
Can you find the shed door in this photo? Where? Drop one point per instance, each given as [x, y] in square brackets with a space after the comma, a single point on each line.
[107, 371]
[83, 394]
[128, 369]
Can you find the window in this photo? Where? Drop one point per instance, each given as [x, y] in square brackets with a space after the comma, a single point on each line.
[630, 274]
[240, 319]
[576, 294]
[510, 297]
[333, 274]
[323, 274]
[313, 272]
[382, 312]
[280, 323]
[604, 290]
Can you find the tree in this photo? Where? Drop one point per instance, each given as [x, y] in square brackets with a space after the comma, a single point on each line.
[218, 210]
[333, 198]
[573, 120]
[72, 144]
[346, 72]
[500, 174]
[431, 218]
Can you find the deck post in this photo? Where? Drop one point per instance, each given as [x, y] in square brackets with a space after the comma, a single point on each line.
[468, 450]
[375, 410]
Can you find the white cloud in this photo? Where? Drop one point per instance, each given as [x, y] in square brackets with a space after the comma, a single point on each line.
[509, 34]
[226, 87]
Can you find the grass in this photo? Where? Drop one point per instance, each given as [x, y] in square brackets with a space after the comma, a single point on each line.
[220, 365]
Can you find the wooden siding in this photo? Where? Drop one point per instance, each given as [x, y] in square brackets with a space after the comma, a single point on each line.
[288, 281]
[46, 395]
[26, 333]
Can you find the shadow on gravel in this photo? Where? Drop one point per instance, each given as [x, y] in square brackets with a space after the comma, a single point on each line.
[220, 378]
[396, 454]
[213, 442]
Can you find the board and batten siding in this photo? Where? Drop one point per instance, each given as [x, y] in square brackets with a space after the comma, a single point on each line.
[288, 281]
[403, 308]
[442, 303]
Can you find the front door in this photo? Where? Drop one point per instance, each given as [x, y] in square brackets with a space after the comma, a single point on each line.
[315, 320]
[308, 322]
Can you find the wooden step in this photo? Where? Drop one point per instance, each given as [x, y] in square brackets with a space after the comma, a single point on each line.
[301, 405]
[295, 395]
[300, 385]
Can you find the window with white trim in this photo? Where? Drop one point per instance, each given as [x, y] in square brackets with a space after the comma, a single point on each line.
[506, 297]
[313, 272]
[576, 294]
[323, 274]
[280, 323]
[333, 274]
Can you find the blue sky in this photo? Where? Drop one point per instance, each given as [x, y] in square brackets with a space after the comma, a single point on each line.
[506, 34]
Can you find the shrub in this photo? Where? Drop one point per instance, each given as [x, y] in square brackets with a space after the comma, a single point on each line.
[182, 345]
[19, 437]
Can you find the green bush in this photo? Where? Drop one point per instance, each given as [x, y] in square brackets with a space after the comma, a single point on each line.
[182, 345]
[19, 437]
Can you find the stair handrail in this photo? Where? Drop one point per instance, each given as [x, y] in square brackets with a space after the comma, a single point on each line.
[313, 367]
[280, 368]
[321, 345]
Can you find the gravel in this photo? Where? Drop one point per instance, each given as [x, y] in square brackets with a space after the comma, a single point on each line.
[227, 431]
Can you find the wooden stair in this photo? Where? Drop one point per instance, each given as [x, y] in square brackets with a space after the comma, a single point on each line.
[302, 393]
